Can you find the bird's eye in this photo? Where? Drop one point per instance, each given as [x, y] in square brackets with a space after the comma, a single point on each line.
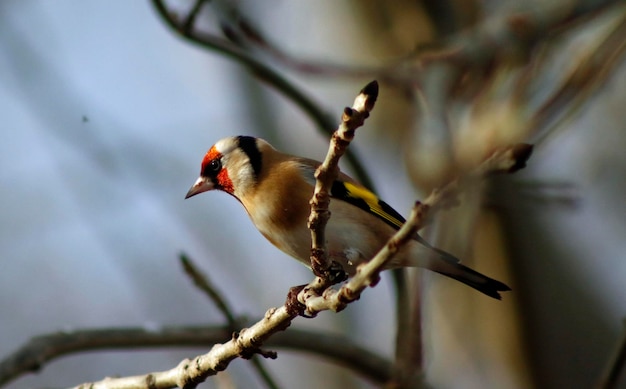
[212, 168]
[215, 165]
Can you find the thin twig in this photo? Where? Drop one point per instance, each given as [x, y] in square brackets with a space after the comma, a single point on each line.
[517, 28]
[327, 172]
[190, 372]
[590, 74]
[43, 349]
[264, 373]
[408, 366]
[203, 282]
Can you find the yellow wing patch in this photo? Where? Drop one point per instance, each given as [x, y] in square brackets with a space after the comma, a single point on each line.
[368, 201]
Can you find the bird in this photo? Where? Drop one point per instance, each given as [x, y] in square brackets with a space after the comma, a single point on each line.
[275, 189]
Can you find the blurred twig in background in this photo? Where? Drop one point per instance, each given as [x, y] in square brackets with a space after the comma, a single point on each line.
[483, 85]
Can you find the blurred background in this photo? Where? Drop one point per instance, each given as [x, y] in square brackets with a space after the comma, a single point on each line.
[106, 115]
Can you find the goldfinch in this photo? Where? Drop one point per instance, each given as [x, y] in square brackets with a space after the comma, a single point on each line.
[275, 190]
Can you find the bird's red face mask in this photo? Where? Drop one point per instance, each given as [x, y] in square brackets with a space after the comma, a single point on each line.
[212, 175]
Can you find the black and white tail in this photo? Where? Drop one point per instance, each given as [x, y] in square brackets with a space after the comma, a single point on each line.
[447, 264]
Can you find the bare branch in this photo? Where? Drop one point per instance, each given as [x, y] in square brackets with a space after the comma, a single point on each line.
[190, 20]
[591, 73]
[204, 284]
[42, 349]
[327, 172]
[520, 28]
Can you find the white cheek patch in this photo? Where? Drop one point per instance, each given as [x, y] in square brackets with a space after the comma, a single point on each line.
[239, 171]
[245, 172]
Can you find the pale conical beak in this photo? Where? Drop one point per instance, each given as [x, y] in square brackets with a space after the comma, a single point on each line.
[202, 184]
